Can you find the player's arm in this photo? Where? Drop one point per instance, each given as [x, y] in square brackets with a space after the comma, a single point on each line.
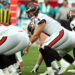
[36, 33]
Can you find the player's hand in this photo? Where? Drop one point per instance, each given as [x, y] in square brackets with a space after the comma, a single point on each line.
[25, 51]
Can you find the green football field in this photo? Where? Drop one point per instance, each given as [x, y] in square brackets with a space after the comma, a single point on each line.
[30, 60]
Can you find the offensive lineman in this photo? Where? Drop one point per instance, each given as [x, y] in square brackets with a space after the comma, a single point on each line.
[12, 40]
[72, 26]
[55, 66]
[60, 38]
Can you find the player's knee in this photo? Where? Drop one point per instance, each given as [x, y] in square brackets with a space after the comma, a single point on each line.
[61, 53]
[46, 50]
[41, 50]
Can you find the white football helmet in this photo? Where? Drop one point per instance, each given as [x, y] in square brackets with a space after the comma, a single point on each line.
[72, 24]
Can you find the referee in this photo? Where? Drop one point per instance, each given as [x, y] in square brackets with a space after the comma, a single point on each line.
[5, 14]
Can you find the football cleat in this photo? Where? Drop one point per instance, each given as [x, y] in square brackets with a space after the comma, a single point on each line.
[72, 71]
[6, 71]
[17, 67]
[56, 70]
[64, 67]
[1, 72]
[19, 71]
[49, 71]
[12, 70]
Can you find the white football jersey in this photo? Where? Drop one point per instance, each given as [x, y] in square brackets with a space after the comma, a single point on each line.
[60, 38]
[6, 30]
[12, 39]
[51, 25]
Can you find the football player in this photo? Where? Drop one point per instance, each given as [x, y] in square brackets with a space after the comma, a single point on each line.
[71, 21]
[72, 25]
[55, 66]
[60, 38]
[12, 40]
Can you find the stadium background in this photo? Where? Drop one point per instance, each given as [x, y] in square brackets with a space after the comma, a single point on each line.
[14, 5]
[29, 59]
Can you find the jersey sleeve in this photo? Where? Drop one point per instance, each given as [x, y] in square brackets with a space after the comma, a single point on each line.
[41, 20]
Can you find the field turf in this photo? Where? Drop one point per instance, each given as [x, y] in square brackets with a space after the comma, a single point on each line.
[30, 60]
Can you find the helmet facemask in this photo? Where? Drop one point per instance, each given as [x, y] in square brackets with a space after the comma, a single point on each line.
[32, 10]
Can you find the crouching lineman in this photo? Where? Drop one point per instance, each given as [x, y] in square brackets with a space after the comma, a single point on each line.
[60, 38]
[55, 66]
[12, 40]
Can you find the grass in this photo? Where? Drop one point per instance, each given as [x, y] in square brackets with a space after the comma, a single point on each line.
[30, 60]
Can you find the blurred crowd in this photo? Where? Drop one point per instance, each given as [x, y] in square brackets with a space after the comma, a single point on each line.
[2, 3]
[59, 13]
